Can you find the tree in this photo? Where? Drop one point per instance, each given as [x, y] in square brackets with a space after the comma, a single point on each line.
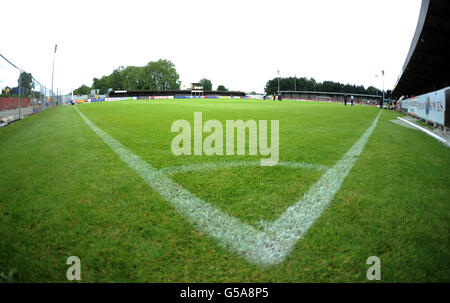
[117, 79]
[304, 84]
[156, 75]
[207, 84]
[133, 77]
[388, 94]
[82, 90]
[101, 84]
[272, 86]
[372, 90]
[26, 83]
[160, 75]
[222, 88]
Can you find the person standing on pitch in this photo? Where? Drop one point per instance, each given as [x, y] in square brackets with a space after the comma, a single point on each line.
[345, 100]
[352, 99]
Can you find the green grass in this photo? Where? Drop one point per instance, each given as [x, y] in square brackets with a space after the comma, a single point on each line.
[63, 192]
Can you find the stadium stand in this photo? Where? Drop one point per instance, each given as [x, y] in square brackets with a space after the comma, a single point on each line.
[427, 64]
[195, 90]
[373, 100]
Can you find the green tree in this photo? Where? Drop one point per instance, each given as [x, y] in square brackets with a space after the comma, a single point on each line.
[304, 84]
[272, 86]
[160, 75]
[101, 84]
[156, 75]
[133, 77]
[371, 90]
[222, 88]
[207, 84]
[26, 83]
[117, 80]
[82, 90]
[388, 94]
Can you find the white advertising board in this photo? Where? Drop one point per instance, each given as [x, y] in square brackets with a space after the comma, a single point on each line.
[429, 106]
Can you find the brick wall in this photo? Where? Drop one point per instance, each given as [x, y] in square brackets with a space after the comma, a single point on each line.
[13, 102]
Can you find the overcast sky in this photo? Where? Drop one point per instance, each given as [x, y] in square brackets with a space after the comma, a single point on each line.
[240, 44]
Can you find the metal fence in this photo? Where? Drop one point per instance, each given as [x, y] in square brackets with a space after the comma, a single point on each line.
[21, 94]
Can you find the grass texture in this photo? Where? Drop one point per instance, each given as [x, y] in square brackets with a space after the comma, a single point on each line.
[64, 192]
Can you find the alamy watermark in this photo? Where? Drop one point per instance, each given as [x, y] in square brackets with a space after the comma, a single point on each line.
[213, 144]
[74, 271]
[374, 271]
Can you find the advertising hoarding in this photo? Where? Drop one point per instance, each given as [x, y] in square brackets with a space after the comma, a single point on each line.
[430, 106]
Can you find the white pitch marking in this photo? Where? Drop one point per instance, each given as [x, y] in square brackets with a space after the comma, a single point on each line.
[298, 218]
[268, 247]
[424, 130]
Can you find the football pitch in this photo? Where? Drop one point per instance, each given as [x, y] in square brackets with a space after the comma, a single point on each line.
[100, 181]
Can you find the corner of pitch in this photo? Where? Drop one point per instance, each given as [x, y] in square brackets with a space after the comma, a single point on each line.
[213, 144]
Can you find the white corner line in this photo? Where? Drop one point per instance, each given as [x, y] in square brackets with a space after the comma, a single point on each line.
[265, 248]
[424, 130]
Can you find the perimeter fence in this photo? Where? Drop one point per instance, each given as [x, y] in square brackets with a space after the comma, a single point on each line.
[21, 94]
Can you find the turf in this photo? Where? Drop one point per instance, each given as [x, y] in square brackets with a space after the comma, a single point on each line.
[63, 192]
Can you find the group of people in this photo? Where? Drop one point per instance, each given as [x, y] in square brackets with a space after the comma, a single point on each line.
[275, 97]
[345, 100]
